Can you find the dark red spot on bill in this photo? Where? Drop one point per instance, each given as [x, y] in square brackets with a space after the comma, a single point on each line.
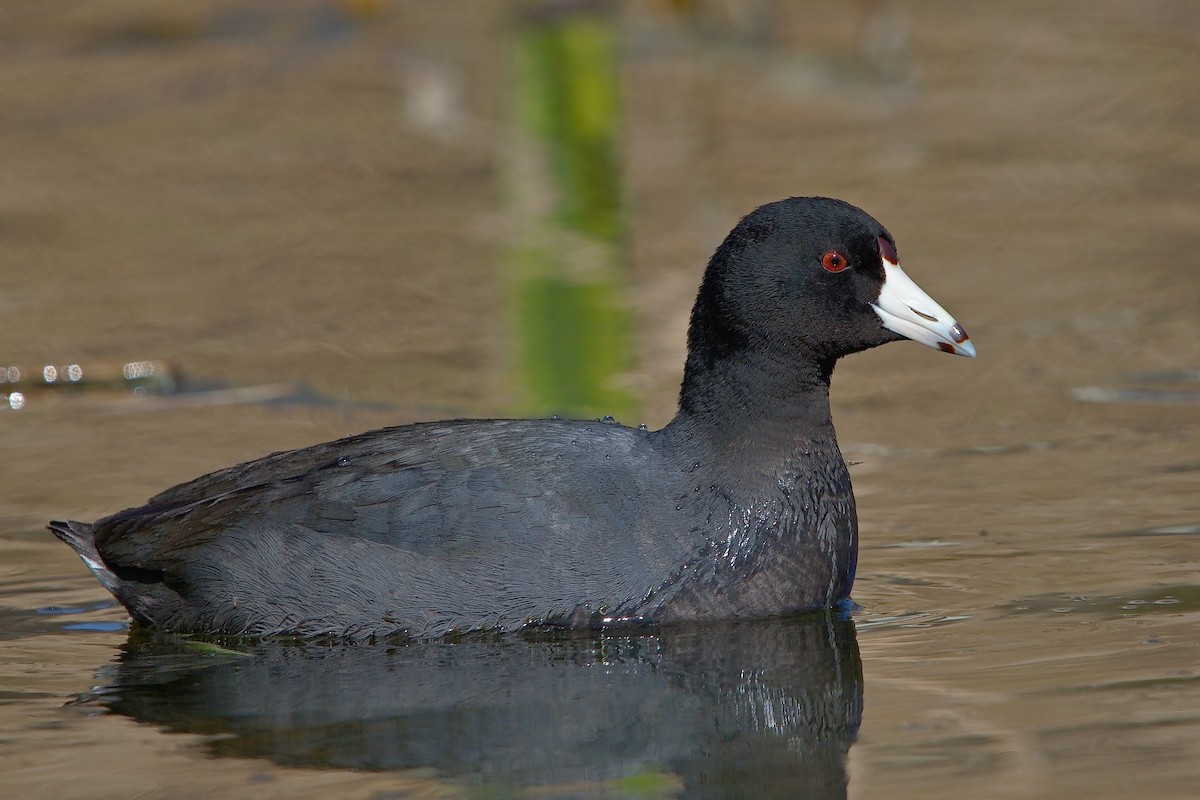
[888, 250]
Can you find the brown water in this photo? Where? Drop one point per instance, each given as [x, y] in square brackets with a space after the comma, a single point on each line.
[316, 192]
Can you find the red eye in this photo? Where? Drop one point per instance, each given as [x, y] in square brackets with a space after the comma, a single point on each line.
[833, 261]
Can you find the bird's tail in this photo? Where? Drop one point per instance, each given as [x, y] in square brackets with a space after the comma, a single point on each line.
[82, 539]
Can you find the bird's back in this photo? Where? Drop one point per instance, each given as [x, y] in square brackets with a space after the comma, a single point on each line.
[421, 529]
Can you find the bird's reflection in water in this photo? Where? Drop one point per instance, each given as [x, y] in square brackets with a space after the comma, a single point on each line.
[757, 709]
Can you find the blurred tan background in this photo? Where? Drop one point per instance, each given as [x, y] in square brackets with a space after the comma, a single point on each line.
[324, 193]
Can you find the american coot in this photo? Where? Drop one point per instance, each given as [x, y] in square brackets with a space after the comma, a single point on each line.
[740, 507]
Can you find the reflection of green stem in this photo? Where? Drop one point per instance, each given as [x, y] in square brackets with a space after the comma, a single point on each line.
[572, 327]
[567, 96]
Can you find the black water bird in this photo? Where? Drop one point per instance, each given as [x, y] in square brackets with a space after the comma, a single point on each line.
[740, 507]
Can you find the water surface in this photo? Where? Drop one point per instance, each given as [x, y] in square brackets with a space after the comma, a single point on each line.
[314, 196]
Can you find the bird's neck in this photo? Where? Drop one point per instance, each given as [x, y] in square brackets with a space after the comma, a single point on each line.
[752, 420]
[763, 442]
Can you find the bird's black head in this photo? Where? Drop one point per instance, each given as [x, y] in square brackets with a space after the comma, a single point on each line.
[801, 282]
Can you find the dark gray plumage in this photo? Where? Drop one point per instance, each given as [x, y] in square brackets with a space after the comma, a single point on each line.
[740, 507]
